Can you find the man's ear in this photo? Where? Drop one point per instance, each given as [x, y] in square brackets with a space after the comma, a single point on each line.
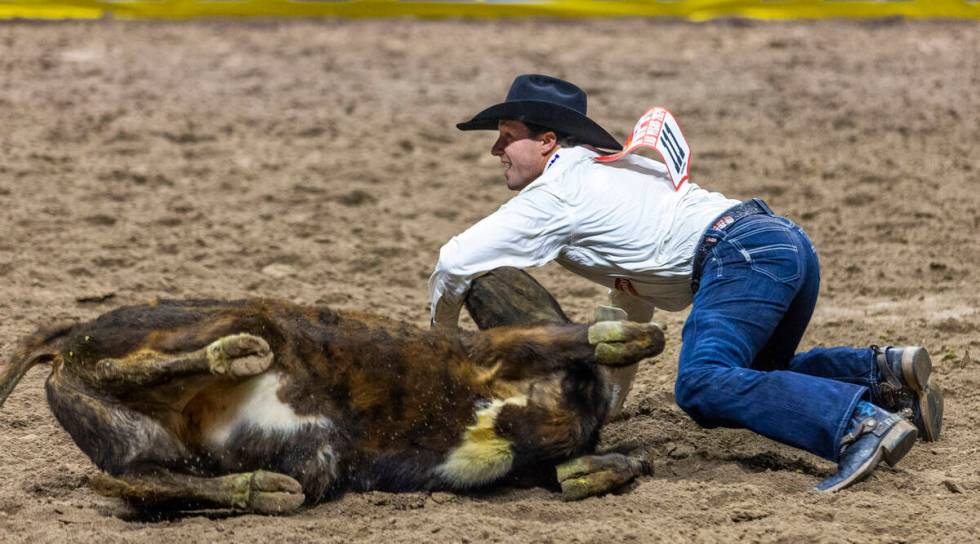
[549, 141]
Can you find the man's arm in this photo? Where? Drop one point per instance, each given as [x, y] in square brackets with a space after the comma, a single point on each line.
[529, 230]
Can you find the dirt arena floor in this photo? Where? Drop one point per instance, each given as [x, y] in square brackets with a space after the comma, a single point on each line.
[317, 161]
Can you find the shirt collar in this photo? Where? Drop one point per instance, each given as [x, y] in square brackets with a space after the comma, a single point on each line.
[560, 161]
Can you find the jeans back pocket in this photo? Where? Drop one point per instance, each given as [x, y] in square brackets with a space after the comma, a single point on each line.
[771, 248]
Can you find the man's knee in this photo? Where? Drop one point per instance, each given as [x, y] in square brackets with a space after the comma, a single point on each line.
[690, 389]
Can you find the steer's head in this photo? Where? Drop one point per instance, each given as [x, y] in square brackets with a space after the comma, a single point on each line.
[545, 347]
[591, 367]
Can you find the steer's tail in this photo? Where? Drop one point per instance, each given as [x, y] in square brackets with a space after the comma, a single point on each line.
[40, 347]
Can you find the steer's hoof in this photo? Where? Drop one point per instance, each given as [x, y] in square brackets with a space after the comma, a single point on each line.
[598, 474]
[239, 355]
[271, 493]
[623, 343]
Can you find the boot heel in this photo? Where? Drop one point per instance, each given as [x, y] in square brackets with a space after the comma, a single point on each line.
[930, 416]
[916, 367]
[898, 441]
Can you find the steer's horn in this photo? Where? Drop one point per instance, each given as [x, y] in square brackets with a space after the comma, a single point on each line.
[37, 348]
[510, 296]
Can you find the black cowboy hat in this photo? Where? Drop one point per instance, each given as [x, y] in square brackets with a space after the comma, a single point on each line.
[547, 101]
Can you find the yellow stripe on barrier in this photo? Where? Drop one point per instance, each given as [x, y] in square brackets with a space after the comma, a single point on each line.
[690, 9]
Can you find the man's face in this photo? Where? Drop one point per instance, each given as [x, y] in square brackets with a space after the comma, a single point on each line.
[522, 155]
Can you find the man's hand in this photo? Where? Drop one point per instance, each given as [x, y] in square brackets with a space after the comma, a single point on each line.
[445, 318]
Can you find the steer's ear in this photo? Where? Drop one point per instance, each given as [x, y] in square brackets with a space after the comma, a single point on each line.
[509, 296]
[40, 347]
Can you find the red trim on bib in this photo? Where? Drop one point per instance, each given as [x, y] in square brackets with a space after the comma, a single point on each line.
[659, 131]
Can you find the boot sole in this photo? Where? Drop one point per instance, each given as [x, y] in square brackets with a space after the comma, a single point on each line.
[916, 368]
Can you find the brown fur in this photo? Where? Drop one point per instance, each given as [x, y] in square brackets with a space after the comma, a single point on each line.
[381, 405]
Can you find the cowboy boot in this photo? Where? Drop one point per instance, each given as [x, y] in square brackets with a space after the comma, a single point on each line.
[874, 435]
[906, 388]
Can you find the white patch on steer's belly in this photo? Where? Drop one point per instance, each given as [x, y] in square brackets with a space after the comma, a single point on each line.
[483, 456]
[254, 402]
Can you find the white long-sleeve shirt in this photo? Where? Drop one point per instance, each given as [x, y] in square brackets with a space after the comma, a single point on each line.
[621, 225]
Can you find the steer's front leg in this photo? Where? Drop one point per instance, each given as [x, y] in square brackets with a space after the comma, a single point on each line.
[623, 343]
[235, 356]
[592, 475]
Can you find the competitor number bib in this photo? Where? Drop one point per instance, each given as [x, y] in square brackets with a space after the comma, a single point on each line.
[658, 130]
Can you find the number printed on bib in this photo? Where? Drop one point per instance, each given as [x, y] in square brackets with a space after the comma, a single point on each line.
[658, 130]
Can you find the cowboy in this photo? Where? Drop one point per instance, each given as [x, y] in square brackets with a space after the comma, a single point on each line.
[750, 276]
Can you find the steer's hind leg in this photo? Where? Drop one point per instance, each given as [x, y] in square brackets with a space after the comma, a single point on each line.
[597, 474]
[235, 356]
[260, 491]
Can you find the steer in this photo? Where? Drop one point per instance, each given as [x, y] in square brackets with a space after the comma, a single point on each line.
[262, 405]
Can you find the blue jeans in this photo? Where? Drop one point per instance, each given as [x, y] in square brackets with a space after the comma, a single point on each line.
[738, 366]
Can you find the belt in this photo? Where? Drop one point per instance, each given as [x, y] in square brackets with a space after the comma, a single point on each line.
[728, 218]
